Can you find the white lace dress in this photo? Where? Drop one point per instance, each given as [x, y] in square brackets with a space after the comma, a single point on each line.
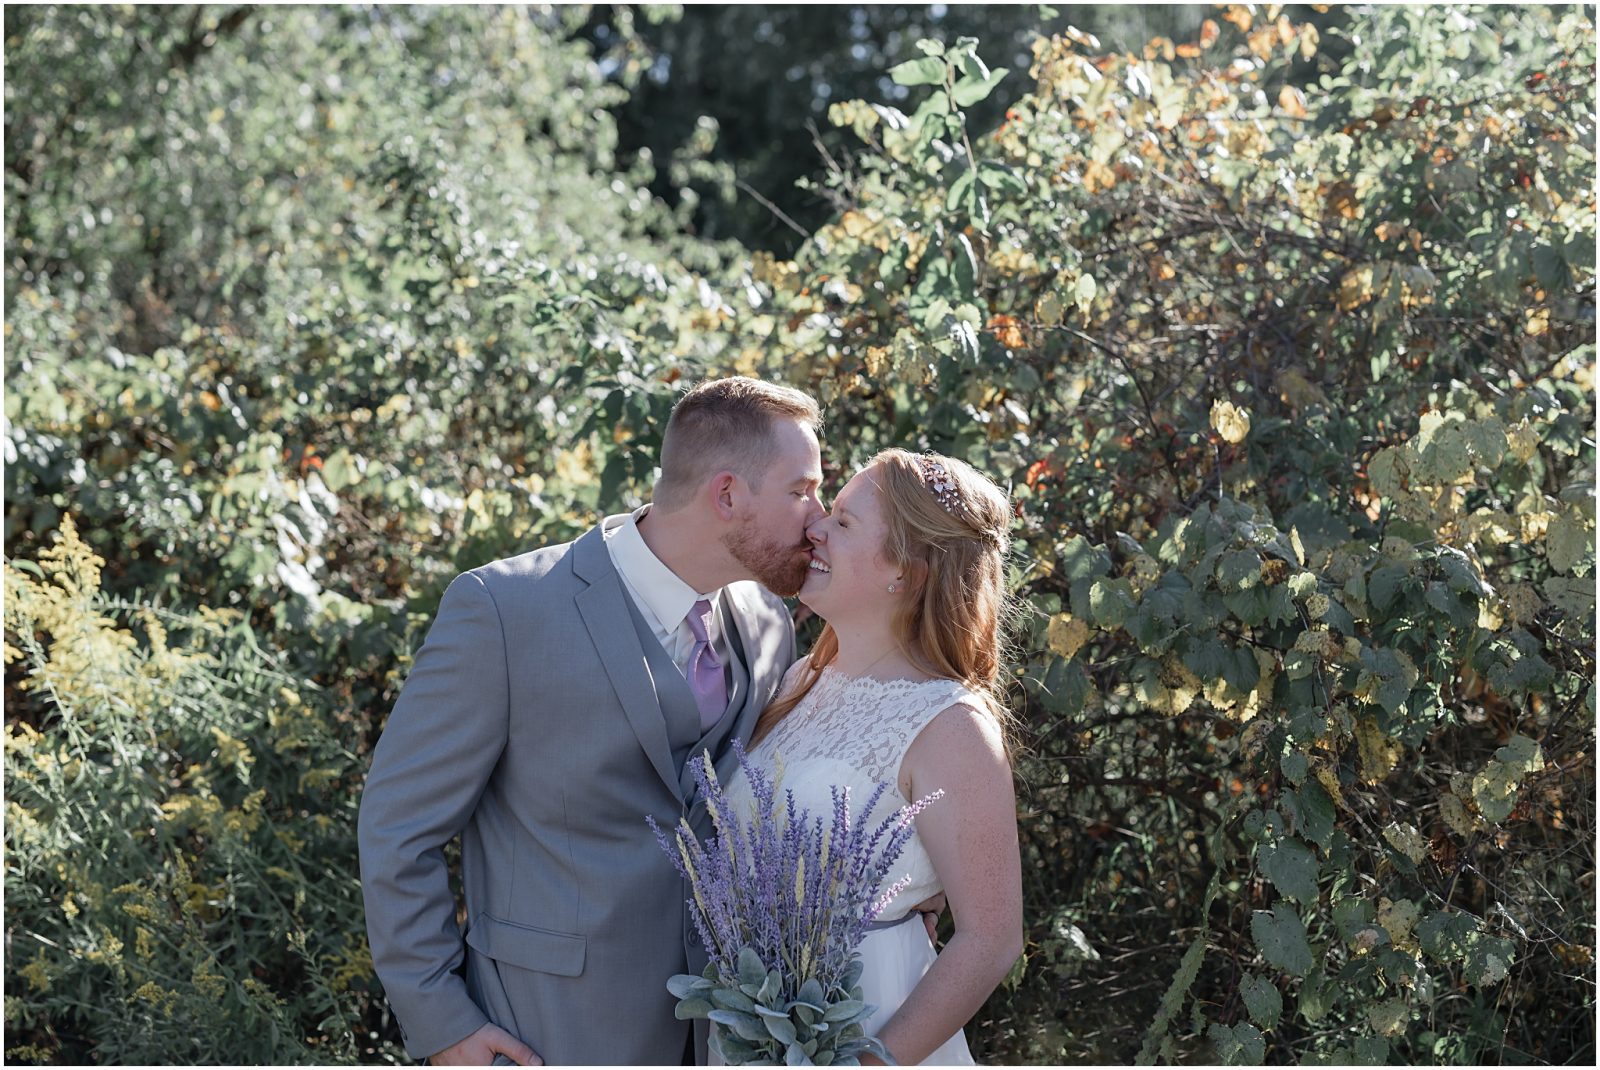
[856, 731]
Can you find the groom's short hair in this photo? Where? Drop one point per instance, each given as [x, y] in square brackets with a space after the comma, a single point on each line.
[725, 424]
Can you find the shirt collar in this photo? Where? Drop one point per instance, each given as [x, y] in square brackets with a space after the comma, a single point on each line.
[661, 589]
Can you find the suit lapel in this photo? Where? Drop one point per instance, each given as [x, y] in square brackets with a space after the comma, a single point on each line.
[604, 609]
[753, 685]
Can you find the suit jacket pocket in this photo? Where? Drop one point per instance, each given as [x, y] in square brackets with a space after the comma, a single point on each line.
[544, 950]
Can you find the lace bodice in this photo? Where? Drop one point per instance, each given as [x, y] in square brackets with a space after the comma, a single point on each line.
[854, 732]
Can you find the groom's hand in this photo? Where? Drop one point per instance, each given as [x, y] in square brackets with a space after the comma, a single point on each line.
[481, 1047]
[930, 909]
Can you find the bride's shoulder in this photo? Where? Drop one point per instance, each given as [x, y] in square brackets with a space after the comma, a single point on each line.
[795, 671]
[966, 723]
[793, 677]
[960, 702]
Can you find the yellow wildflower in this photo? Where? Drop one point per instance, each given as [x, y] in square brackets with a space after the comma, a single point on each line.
[37, 973]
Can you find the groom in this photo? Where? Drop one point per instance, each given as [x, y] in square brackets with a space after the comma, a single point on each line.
[554, 704]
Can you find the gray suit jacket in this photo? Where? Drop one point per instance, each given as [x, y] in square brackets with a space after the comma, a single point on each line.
[541, 722]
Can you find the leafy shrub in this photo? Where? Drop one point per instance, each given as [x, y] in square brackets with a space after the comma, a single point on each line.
[1293, 386]
[181, 877]
[1284, 339]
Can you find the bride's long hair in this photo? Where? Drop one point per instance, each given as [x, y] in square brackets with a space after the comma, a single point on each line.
[951, 621]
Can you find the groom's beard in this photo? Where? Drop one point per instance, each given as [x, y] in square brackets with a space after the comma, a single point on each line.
[780, 568]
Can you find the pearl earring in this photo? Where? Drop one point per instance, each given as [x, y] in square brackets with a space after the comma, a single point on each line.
[891, 588]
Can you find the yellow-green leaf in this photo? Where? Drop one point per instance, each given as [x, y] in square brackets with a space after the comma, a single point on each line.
[1066, 634]
[1230, 421]
[1407, 840]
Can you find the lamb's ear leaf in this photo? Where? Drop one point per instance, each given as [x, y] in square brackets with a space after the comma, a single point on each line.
[681, 985]
[692, 1008]
[752, 971]
[811, 993]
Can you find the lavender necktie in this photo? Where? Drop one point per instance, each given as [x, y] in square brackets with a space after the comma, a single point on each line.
[705, 669]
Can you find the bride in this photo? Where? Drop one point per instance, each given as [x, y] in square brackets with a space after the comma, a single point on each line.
[900, 687]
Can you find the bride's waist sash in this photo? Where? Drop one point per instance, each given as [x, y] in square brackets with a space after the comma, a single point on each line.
[878, 926]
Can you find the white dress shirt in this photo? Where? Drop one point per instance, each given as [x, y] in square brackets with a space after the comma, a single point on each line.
[663, 599]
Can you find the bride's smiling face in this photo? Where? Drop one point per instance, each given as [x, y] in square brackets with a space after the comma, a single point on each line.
[849, 573]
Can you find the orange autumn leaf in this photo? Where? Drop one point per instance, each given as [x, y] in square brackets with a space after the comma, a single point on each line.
[1209, 31]
[1007, 331]
[1038, 471]
[1097, 177]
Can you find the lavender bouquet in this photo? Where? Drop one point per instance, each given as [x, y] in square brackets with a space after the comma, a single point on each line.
[782, 902]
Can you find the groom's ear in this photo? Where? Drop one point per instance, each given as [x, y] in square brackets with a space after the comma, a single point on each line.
[725, 489]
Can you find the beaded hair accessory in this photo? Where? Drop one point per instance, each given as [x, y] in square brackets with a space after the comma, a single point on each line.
[942, 486]
[937, 477]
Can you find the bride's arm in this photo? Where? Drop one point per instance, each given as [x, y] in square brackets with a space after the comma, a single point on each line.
[971, 836]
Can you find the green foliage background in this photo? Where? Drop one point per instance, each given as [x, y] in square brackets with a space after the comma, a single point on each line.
[1283, 337]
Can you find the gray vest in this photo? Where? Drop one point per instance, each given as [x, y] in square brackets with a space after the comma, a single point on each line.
[682, 713]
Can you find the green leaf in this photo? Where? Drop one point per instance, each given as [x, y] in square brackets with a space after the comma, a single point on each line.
[694, 1007]
[781, 1029]
[1000, 178]
[844, 1010]
[1386, 472]
[340, 471]
[1065, 687]
[1294, 766]
[1351, 916]
[1262, 999]
[1521, 755]
[959, 190]
[1572, 595]
[745, 1026]
[1568, 542]
[683, 985]
[1389, 1017]
[1207, 657]
[1292, 868]
[1110, 602]
[1446, 934]
[1238, 1045]
[1383, 587]
[1241, 669]
[1316, 997]
[1252, 604]
[1312, 809]
[1238, 570]
[1081, 560]
[964, 269]
[752, 971]
[1280, 936]
[1446, 601]
[770, 988]
[811, 992]
[1489, 960]
[926, 71]
[1154, 624]
[973, 88]
[731, 999]
[1172, 1000]
[1370, 1051]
